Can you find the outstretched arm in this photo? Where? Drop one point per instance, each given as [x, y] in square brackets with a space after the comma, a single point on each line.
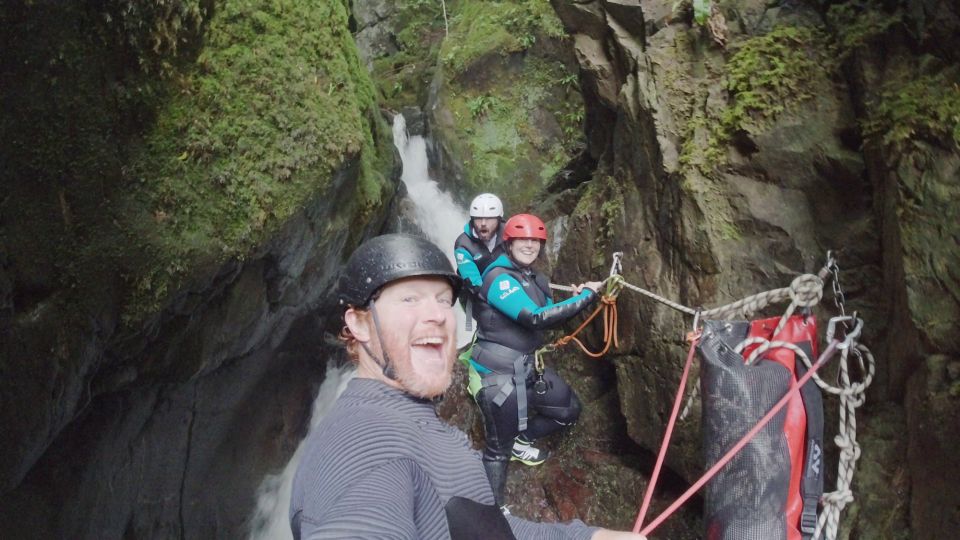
[379, 505]
[507, 295]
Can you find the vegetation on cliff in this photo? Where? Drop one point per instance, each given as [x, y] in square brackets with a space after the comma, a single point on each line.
[516, 113]
[189, 132]
[499, 28]
[276, 102]
[911, 108]
[764, 76]
[918, 99]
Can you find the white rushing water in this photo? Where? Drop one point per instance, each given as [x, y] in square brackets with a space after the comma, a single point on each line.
[271, 520]
[435, 212]
[439, 217]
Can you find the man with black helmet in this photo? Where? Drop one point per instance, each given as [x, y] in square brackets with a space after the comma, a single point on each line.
[381, 464]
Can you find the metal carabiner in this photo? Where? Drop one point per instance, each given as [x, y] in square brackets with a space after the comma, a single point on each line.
[616, 267]
[850, 339]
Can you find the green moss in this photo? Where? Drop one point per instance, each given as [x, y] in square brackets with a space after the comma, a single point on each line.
[157, 31]
[601, 208]
[771, 72]
[149, 141]
[859, 24]
[765, 76]
[717, 213]
[485, 28]
[704, 139]
[611, 210]
[277, 101]
[403, 76]
[517, 131]
[910, 108]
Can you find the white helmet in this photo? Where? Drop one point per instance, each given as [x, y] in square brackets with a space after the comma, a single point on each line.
[486, 205]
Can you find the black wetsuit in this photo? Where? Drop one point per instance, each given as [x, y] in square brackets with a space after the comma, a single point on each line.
[381, 464]
[518, 307]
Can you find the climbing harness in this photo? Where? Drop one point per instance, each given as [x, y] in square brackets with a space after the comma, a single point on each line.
[783, 345]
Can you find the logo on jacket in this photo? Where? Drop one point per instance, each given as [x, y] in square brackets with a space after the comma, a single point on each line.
[460, 257]
[507, 289]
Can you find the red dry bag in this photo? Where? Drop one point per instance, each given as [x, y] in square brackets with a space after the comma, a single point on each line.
[771, 488]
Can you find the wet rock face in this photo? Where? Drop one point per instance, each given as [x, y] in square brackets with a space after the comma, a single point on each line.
[723, 159]
[177, 445]
[162, 423]
[374, 33]
[710, 204]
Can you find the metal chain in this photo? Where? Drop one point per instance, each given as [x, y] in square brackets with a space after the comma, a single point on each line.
[839, 298]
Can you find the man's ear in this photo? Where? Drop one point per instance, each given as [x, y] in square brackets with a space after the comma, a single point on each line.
[358, 322]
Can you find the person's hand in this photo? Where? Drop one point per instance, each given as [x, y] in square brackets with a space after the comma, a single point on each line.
[592, 285]
[606, 534]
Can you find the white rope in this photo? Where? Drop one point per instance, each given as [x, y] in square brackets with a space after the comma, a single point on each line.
[766, 345]
[662, 300]
[805, 291]
[852, 396]
[565, 288]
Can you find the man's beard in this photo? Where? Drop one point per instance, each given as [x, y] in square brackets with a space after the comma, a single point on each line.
[419, 384]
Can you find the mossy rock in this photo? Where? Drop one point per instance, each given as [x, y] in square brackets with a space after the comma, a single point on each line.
[170, 170]
[509, 106]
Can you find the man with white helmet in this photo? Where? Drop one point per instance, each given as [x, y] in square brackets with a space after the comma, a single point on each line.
[480, 242]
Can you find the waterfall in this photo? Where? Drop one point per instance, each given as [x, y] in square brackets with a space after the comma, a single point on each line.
[439, 217]
[271, 519]
[435, 212]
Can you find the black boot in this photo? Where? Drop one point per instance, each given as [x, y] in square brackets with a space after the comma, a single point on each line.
[497, 474]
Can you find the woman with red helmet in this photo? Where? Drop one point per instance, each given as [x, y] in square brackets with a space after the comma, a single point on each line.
[519, 405]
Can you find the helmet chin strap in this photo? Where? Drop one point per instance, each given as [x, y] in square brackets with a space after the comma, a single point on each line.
[384, 364]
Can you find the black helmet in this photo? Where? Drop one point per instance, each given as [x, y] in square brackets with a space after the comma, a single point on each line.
[387, 258]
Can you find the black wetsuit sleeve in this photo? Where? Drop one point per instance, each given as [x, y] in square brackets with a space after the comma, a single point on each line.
[509, 297]
[556, 314]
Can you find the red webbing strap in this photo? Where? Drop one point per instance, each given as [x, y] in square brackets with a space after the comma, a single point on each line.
[743, 442]
[694, 338]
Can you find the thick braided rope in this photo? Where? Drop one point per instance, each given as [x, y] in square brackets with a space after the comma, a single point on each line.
[805, 290]
[766, 345]
[852, 396]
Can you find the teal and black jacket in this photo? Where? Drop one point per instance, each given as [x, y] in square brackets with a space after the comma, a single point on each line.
[473, 257]
[518, 306]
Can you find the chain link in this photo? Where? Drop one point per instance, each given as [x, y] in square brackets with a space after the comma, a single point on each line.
[839, 298]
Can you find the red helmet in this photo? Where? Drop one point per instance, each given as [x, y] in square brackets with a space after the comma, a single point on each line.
[524, 226]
